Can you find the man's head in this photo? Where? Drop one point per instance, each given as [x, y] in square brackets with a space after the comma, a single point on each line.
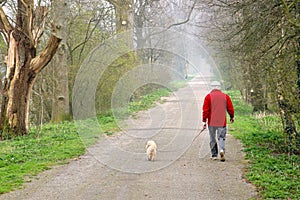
[215, 85]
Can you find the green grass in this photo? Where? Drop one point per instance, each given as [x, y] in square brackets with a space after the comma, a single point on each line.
[22, 158]
[148, 100]
[275, 173]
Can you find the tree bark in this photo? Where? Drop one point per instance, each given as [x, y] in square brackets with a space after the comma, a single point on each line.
[60, 102]
[124, 14]
[22, 66]
[60, 105]
[289, 125]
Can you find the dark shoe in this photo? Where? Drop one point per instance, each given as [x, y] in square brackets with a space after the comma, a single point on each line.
[222, 154]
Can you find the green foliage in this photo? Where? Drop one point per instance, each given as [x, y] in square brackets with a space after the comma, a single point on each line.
[108, 124]
[147, 101]
[21, 158]
[259, 53]
[275, 173]
[109, 79]
[241, 108]
[3, 46]
[151, 96]
[24, 157]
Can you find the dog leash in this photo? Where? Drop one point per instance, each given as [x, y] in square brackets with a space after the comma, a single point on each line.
[191, 143]
[198, 134]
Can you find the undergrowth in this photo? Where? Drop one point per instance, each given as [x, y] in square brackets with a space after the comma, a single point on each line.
[274, 172]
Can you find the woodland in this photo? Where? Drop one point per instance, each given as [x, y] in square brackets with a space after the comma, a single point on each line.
[255, 44]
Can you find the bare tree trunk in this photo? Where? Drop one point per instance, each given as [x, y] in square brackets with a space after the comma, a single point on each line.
[18, 84]
[288, 121]
[124, 14]
[23, 64]
[60, 105]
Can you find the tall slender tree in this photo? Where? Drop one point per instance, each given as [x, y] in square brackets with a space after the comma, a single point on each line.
[60, 100]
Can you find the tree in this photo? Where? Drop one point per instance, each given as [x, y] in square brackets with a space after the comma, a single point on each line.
[89, 23]
[22, 34]
[264, 37]
[60, 101]
[124, 14]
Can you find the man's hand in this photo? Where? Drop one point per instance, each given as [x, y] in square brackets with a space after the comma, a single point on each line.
[204, 125]
[232, 120]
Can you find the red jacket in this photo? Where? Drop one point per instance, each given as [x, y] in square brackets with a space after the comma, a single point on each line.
[215, 105]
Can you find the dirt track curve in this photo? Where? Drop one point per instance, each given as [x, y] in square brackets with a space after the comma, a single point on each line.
[117, 168]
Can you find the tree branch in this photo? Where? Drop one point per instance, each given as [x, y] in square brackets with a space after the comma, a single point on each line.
[5, 26]
[290, 19]
[176, 24]
[41, 61]
[187, 19]
[113, 2]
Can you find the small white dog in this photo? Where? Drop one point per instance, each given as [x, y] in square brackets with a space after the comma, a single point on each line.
[151, 150]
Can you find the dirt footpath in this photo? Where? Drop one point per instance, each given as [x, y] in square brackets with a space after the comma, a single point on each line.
[117, 168]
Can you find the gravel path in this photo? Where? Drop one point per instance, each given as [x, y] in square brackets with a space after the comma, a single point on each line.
[117, 168]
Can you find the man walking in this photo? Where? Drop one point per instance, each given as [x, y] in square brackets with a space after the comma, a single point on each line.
[214, 109]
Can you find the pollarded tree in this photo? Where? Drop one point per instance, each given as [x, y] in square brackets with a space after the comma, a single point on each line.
[22, 33]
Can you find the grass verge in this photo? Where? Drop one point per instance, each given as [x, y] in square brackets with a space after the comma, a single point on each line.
[275, 173]
[23, 157]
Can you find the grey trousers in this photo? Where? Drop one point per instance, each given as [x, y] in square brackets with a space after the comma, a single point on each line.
[220, 132]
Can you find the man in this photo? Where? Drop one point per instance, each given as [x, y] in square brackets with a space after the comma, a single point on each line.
[214, 109]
